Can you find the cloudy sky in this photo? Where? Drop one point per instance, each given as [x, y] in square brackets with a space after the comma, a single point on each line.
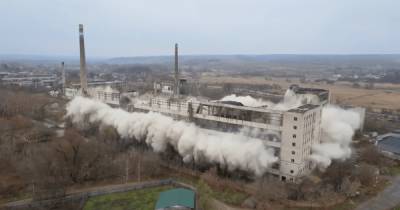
[151, 27]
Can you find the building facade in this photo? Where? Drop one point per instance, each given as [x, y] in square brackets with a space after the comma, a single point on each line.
[300, 131]
[290, 133]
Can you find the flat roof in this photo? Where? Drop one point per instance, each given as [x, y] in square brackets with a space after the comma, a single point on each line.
[257, 109]
[304, 108]
[176, 197]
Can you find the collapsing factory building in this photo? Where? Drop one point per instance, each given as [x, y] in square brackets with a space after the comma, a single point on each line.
[291, 131]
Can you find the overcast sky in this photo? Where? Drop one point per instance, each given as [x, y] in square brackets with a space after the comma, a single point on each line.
[151, 27]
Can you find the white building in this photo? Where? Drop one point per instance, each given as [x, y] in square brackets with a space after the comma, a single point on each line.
[105, 94]
[300, 131]
[104, 91]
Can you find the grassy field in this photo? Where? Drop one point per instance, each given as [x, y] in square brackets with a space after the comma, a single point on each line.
[394, 171]
[383, 96]
[140, 199]
[226, 195]
[229, 196]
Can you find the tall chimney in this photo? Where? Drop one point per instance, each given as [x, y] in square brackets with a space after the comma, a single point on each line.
[63, 79]
[83, 73]
[176, 71]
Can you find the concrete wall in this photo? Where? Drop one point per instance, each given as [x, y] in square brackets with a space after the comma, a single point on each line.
[300, 132]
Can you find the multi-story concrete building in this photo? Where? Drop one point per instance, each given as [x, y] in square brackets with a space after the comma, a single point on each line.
[290, 133]
[300, 131]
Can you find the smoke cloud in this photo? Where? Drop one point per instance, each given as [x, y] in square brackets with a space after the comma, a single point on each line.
[337, 125]
[338, 128]
[244, 150]
[236, 151]
[290, 101]
[248, 101]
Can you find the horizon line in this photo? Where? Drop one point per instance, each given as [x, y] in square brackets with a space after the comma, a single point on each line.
[16, 55]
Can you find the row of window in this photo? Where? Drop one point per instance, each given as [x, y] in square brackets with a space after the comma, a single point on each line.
[309, 119]
[294, 143]
[105, 96]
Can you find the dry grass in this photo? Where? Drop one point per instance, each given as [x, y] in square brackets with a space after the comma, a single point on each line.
[384, 96]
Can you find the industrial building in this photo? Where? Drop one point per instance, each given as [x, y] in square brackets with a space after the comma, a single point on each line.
[291, 133]
[29, 79]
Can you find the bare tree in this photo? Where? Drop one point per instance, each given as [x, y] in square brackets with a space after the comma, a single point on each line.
[108, 134]
[371, 155]
[84, 159]
[270, 188]
[367, 174]
[336, 172]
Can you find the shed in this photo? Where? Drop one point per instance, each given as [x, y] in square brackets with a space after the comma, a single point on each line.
[179, 198]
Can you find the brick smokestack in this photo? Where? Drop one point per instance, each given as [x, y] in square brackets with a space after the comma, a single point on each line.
[176, 71]
[63, 79]
[83, 73]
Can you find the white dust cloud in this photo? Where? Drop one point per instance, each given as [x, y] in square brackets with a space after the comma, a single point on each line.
[338, 128]
[337, 125]
[235, 151]
[290, 101]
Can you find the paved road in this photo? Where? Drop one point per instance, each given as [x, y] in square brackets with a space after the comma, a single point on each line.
[386, 200]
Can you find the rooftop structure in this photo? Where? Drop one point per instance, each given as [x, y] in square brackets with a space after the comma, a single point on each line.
[323, 95]
[303, 108]
[179, 199]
